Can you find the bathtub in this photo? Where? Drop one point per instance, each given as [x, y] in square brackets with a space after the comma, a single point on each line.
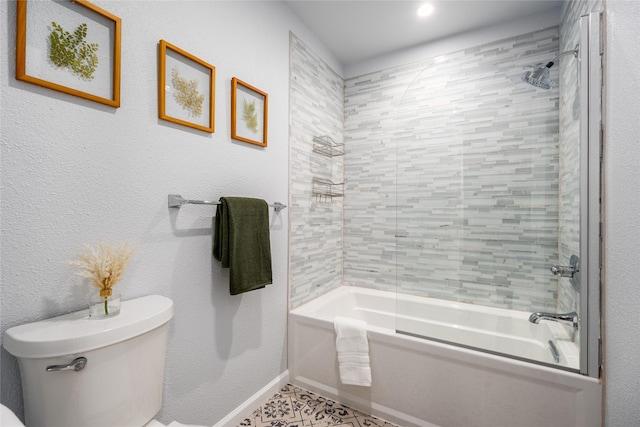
[424, 382]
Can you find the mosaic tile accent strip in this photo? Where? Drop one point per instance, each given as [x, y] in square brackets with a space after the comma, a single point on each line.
[459, 159]
[315, 226]
[296, 407]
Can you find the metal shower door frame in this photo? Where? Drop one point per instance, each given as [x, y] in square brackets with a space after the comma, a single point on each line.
[591, 140]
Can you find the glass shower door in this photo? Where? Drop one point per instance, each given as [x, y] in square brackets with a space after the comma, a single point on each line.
[492, 202]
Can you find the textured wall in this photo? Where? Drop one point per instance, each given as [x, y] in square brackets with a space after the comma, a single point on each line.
[317, 94]
[477, 176]
[621, 219]
[74, 171]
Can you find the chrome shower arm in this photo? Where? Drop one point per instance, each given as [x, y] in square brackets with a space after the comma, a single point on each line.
[574, 52]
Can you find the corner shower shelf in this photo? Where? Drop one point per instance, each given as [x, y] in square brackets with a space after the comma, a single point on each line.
[326, 146]
[325, 190]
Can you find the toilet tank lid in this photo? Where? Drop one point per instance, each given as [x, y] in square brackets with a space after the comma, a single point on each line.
[75, 332]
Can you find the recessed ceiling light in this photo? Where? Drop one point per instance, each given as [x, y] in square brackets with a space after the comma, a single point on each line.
[425, 10]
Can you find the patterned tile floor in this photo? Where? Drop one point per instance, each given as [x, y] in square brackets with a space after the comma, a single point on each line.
[296, 407]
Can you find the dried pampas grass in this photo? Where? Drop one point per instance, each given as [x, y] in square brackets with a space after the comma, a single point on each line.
[104, 265]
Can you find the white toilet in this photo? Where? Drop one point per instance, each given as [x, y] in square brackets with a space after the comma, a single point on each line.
[81, 372]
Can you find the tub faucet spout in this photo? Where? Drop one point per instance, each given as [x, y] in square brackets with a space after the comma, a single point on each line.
[570, 319]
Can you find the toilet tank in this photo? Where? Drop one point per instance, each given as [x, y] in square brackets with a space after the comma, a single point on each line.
[121, 382]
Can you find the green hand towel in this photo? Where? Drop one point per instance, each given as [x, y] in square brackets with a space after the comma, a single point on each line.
[241, 242]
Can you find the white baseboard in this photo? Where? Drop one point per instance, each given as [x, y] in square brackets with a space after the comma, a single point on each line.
[243, 411]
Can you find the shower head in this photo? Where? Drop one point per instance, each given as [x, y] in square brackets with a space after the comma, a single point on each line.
[540, 76]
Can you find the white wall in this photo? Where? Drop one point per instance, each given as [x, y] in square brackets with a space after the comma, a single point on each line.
[455, 43]
[621, 207]
[74, 172]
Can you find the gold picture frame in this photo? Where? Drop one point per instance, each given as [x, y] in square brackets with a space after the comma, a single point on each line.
[61, 46]
[249, 113]
[186, 94]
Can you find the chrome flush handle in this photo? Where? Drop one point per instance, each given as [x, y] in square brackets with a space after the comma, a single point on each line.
[78, 364]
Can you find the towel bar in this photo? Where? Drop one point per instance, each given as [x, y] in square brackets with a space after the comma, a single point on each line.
[176, 201]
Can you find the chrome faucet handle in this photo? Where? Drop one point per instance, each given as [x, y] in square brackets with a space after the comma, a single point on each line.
[564, 270]
[567, 270]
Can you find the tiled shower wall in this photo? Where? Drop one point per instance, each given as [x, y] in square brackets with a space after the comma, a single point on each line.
[477, 195]
[315, 238]
[463, 157]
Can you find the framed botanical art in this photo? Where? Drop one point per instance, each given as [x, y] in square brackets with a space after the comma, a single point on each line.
[249, 113]
[186, 88]
[69, 46]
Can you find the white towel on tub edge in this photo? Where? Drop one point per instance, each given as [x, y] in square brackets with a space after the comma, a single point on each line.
[353, 351]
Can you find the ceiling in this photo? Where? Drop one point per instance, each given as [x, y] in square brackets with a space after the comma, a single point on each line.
[362, 29]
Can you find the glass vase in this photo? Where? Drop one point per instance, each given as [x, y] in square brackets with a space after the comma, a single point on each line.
[104, 307]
